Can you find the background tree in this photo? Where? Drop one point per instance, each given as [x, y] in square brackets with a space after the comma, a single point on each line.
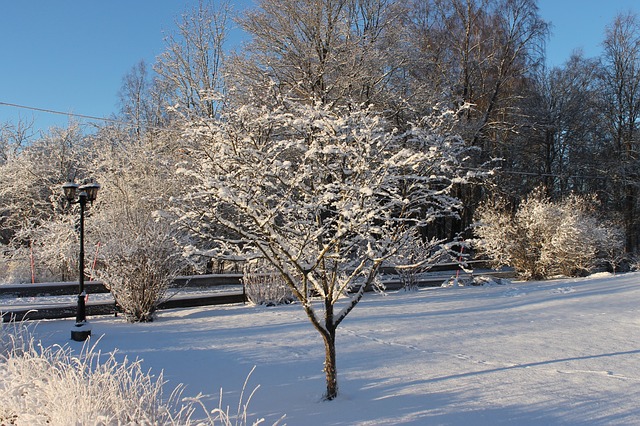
[31, 196]
[14, 136]
[190, 68]
[143, 104]
[478, 53]
[328, 51]
[564, 148]
[621, 103]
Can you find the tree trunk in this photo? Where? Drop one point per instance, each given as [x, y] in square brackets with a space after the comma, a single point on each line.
[331, 372]
[629, 218]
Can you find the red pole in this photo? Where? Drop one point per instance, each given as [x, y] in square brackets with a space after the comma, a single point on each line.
[459, 261]
[95, 260]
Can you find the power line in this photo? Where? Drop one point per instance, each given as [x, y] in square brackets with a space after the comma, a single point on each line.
[85, 116]
[69, 114]
[551, 175]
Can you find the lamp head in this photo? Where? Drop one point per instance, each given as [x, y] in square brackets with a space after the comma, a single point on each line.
[91, 189]
[70, 190]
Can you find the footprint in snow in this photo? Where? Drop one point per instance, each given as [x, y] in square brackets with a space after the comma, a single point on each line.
[563, 290]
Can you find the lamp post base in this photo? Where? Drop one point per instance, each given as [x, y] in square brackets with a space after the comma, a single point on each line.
[80, 332]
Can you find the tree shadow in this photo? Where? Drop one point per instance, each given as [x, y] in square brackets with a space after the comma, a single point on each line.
[531, 364]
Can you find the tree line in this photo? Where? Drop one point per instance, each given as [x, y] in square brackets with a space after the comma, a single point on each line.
[570, 129]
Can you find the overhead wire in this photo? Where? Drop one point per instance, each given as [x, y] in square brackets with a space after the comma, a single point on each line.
[84, 116]
[52, 111]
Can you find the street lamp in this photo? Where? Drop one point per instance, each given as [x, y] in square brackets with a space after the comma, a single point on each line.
[77, 194]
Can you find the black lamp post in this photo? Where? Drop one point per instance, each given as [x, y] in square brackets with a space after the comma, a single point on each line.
[87, 192]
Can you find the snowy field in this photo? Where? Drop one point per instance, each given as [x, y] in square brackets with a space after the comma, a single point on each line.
[563, 352]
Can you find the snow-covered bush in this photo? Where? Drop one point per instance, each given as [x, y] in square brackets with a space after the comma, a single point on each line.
[141, 251]
[15, 266]
[138, 260]
[53, 386]
[474, 281]
[52, 254]
[416, 256]
[50, 385]
[264, 285]
[544, 238]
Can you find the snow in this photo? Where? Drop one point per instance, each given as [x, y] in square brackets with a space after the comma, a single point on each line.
[562, 352]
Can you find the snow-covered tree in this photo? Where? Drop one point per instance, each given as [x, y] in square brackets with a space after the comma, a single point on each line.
[30, 181]
[324, 194]
[31, 199]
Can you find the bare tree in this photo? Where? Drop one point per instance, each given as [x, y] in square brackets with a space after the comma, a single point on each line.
[621, 82]
[138, 106]
[563, 143]
[328, 50]
[190, 69]
[13, 137]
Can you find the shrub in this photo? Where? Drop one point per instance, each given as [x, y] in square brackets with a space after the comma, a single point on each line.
[15, 267]
[417, 256]
[544, 238]
[263, 284]
[50, 385]
[138, 261]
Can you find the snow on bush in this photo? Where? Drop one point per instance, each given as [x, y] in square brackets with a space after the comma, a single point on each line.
[14, 266]
[473, 281]
[52, 254]
[51, 385]
[141, 250]
[418, 255]
[544, 238]
[55, 248]
[138, 261]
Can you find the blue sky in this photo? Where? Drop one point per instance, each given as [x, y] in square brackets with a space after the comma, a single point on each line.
[71, 55]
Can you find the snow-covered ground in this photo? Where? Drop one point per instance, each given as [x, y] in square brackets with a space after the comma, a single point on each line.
[560, 352]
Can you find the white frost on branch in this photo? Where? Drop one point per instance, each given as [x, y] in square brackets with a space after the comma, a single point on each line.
[323, 195]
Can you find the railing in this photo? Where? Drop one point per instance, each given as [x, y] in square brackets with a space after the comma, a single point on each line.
[47, 301]
[188, 291]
